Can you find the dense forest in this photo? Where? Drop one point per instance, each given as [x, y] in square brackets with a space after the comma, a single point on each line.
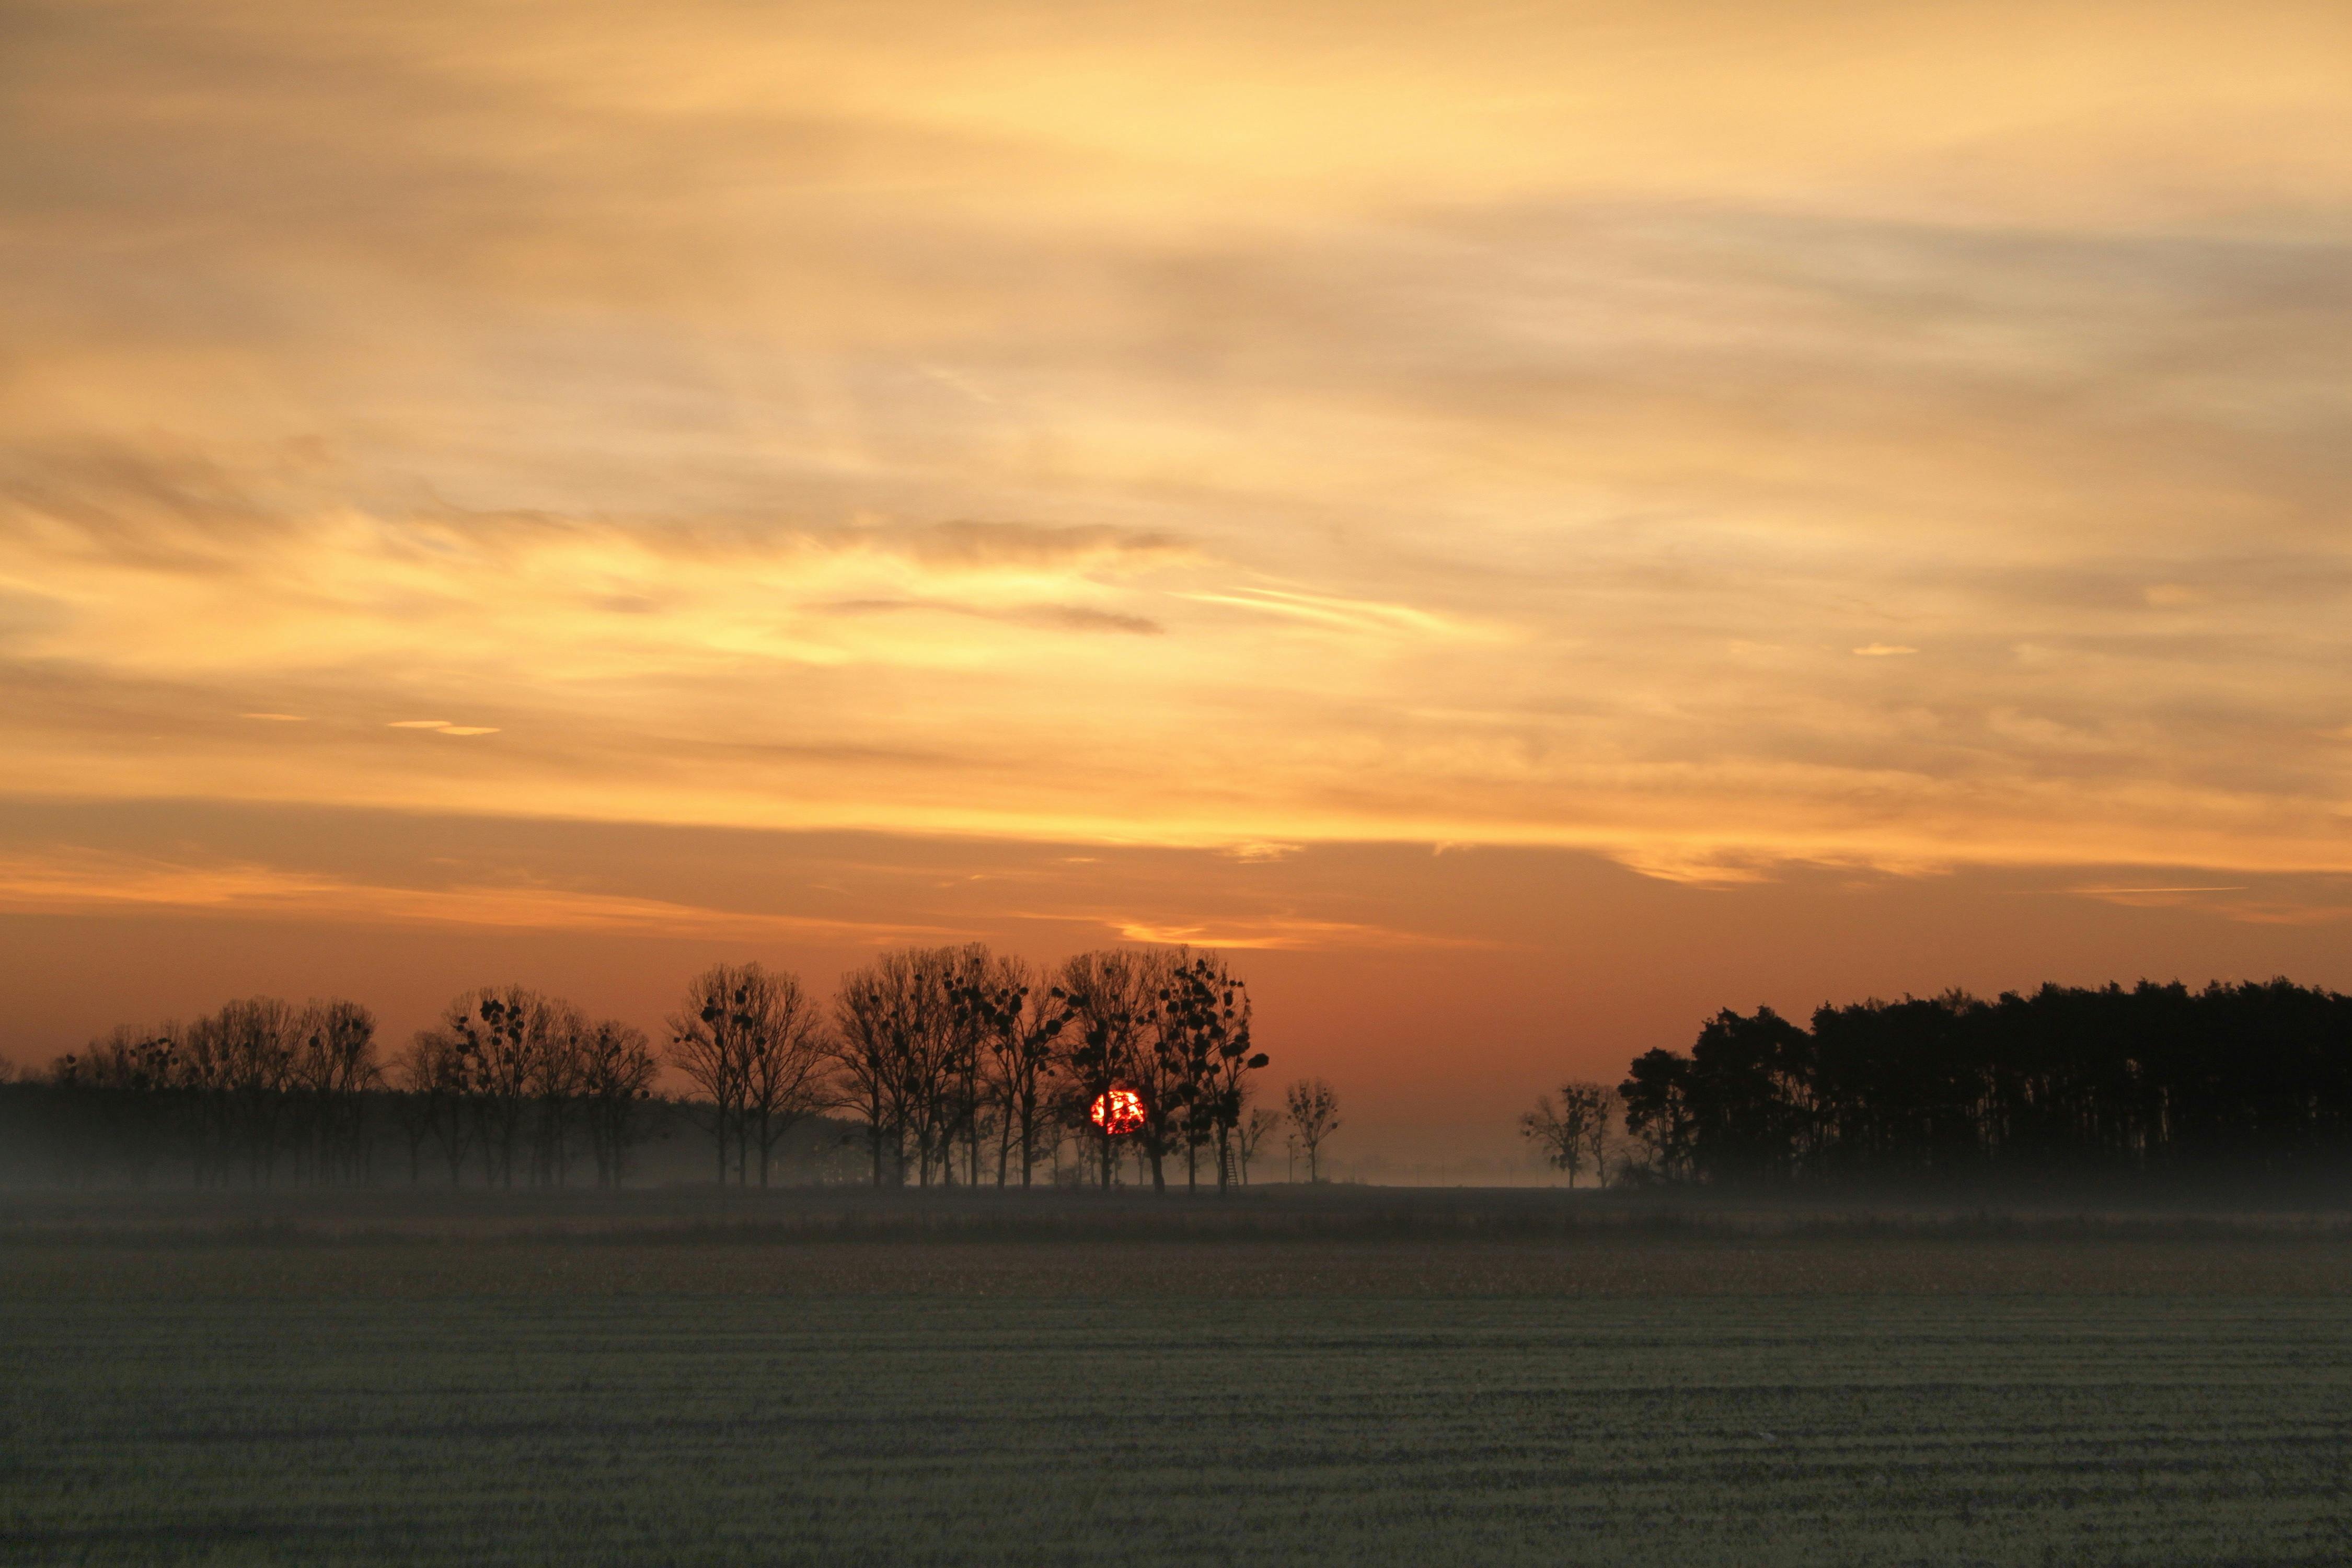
[2246, 1081]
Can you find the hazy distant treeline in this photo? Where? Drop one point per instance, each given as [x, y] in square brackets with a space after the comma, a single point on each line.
[2233, 1080]
[512, 1087]
[949, 1064]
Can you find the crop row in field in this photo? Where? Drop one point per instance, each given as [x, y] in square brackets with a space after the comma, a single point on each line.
[695, 1430]
[1581, 1266]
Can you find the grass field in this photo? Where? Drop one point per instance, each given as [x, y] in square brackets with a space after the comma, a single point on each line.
[1606, 1398]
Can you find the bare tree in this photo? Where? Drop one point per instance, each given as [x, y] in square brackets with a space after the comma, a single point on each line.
[255, 1041]
[1597, 1136]
[508, 1043]
[120, 1085]
[432, 1076]
[909, 1055]
[617, 1069]
[872, 1030]
[333, 1068]
[783, 1082]
[553, 1081]
[1203, 1033]
[1019, 1019]
[952, 975]
[1252, 1132]
[1574, 1131]
[749, 1039]
[1157, 1053]
[203, 1074]
[705, 1049]
[1314, 1111]
[1110, 997]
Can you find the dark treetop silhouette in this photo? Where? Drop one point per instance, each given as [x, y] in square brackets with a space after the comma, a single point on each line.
[2233, 1080]
[950, 1065]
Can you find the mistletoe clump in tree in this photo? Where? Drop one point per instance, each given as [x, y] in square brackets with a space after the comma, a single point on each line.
[1018, 1022]
[1204, 1026]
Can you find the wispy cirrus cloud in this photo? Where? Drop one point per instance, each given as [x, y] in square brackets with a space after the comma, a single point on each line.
[1284, 934]
[67, 882]
[2239, 903]
[1063, 617]
[1345, 613]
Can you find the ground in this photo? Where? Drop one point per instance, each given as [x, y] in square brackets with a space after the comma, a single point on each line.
[556, 1382]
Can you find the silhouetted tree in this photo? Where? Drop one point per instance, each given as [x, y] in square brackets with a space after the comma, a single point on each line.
[882, 1053]
[749, 1039]
[1019, 1019]
[1657, 1110]
[1203, 1032]
[2252, 1078]
[510, 1046]
[1254, 1126]
[333, 1068]
[252, 1045]
[118, 1092]
[617, 1070]
[785, 1081]
[1574, 1131]
[1314, 1112]
[1109, 995]
[952, 978]
[434, 1078]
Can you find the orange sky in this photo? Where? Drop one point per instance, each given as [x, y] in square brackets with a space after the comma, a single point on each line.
[1538, 522]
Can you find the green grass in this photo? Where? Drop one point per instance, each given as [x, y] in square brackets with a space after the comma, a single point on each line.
[315, 1422]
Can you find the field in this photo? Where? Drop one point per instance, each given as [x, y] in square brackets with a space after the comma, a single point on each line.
[1461, 1381]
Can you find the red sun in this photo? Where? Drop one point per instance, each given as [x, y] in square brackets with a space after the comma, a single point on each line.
[1119, 1112]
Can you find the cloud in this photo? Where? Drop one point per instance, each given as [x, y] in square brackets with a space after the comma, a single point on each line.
[1165, 433]
[1051, 617]
[1705, 866]
[2266, 907]
[1284, 934]
[85, 883]
[1259, 852]
[1342, 614]
[987, 546]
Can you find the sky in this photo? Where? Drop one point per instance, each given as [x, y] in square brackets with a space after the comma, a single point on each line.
[1521, 524]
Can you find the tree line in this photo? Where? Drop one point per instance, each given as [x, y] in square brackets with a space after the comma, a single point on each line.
[948, 1065]
[962, 1066]
[2251, 1079]
[510, 1084]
